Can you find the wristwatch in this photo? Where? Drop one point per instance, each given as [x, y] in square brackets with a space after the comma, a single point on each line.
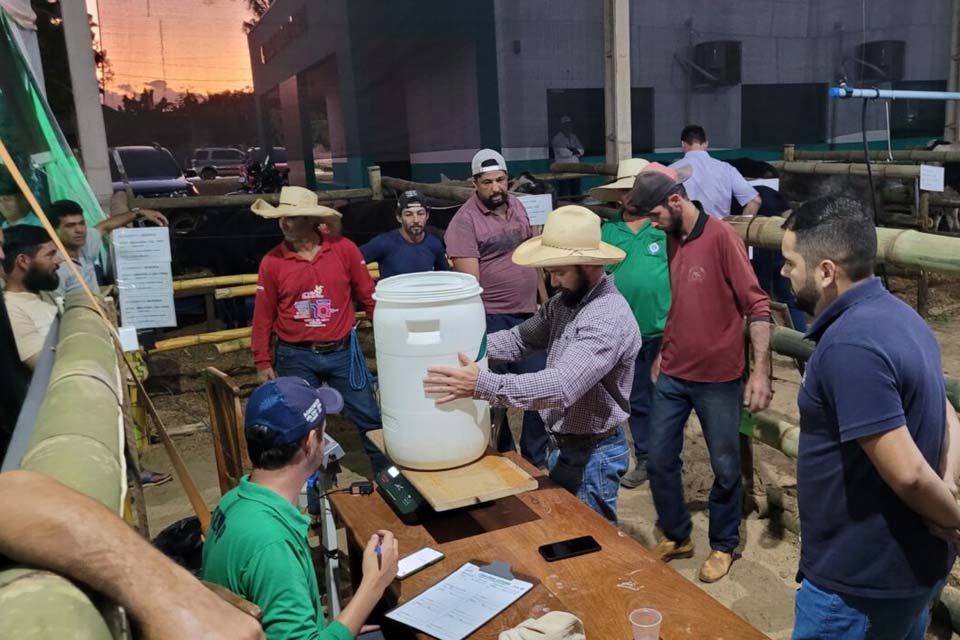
[137, 213]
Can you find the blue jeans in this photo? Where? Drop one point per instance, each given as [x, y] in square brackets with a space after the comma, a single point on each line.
[333, 368]
[821, 613]
[592, 473]
[533, 434]
[641, 397]
[718, 408]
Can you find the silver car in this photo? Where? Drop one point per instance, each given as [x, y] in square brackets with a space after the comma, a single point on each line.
[210, 162]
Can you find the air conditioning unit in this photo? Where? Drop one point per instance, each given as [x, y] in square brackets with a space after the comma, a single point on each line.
[717, 63]
[881, 60]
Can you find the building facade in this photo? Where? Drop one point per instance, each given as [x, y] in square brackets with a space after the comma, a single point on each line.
[417, 86]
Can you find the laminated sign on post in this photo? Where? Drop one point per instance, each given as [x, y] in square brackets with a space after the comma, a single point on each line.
[537, 206]
[931, 178]
[144, 277]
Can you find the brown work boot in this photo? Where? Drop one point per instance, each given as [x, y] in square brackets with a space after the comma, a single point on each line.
[716, 566]
[667, 549]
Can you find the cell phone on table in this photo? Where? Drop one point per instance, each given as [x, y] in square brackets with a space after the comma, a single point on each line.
[416, 561]
[569, 548]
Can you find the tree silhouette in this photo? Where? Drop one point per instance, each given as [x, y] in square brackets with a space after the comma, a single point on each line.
[257, 8]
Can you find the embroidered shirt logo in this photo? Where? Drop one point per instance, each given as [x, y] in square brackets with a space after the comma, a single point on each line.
[696, 275]
[654, 248]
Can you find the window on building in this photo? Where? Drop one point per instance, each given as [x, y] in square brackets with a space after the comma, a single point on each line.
[916, 118]
[585, 107]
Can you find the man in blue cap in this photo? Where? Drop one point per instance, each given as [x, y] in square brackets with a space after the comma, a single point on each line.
[257, 542]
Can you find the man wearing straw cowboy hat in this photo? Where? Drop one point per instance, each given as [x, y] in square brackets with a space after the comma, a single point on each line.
[591, 340]
[305, 291]
[644, 280]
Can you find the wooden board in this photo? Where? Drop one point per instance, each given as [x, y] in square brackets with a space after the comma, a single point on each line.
[489, 478]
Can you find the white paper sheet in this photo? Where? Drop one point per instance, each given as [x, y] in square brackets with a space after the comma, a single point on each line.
[538, 207]
[460, 604]
[144, 277]
[931, 178]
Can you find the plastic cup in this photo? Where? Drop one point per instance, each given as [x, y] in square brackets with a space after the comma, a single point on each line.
[645, 624]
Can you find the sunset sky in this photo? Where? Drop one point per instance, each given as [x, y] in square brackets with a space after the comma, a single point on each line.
[173, 45]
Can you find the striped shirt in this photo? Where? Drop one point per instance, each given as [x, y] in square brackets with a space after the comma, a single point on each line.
[591, 349]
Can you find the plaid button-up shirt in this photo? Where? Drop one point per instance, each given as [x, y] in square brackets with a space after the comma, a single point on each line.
[591, 349]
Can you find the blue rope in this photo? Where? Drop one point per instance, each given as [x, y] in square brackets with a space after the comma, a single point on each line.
[360, 376]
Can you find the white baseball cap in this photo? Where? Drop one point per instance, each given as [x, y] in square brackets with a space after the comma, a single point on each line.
[487, 160]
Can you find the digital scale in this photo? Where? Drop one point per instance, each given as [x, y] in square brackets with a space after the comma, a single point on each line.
[397, 490]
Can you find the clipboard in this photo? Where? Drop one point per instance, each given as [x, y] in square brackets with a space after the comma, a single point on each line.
[464, 601]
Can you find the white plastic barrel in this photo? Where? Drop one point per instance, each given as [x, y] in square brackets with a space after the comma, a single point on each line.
[422, 320]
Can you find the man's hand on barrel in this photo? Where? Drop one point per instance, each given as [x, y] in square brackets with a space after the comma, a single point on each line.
[455, 383]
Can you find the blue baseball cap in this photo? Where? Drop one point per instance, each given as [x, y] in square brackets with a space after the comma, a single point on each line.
[290, 407]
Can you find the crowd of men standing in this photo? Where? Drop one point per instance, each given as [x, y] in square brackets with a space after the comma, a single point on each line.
[649, 322]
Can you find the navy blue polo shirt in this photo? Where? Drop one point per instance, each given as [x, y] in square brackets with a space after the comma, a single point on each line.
[876, 367]
[395, 255]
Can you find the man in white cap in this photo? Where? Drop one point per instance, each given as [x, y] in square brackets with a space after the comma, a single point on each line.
[567, 148]
[644, 280]
[306, 287]
[592, 342]
[480, 240]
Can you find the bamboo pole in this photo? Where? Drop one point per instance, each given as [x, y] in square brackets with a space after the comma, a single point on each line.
[856, 155]
[789, 152]
[772, 428]
[844, 169]
[376, 184]
[238, 344]
[442, 191]
[215, 281]
[235, 292]
[203, 338]
[906, 248]
[602, 169]
[240, 200]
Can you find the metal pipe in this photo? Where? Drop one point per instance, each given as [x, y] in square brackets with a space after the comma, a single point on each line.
[891, 94]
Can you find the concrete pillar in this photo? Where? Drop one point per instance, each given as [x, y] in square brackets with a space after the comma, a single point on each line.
[293, 133]
[86, 98]
[616, 85]
[950, 130]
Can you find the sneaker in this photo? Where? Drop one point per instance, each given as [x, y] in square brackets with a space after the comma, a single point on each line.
[667, 549]
[635, 478]
[716, 566]
[153, 478]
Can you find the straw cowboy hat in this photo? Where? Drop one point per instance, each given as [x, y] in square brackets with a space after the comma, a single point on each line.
[570, 237]
[294, 201]
[627, 171]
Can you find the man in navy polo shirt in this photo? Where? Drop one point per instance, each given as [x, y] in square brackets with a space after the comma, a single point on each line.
[874, 432]
[410, 248]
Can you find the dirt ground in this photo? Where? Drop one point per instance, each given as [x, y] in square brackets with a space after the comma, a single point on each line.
[760, 587]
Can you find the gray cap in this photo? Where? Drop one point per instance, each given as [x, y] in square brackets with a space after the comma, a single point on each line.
[487, 160]
[654, 183]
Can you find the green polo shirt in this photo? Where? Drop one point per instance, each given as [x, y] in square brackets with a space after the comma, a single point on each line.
[257, 548]
[643, 277]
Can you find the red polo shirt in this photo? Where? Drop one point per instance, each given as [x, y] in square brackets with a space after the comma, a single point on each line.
[714, 287]
[304, 300]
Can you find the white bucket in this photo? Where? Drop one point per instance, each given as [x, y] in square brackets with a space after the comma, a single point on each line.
[423, 320]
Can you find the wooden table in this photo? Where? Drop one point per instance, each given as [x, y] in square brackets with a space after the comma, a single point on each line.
[600, 588]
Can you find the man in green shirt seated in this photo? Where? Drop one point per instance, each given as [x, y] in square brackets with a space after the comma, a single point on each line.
[644, 280]
[257, 542]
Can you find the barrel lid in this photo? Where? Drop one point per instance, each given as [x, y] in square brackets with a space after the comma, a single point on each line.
[427, 286]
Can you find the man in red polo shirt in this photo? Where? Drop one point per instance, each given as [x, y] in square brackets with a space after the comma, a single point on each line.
[701, 363]
[306, 286]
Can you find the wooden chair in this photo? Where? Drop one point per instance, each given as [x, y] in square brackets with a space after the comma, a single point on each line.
[226, 423]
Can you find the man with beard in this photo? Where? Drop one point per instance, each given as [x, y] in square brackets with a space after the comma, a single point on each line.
[83, 244]
[713, 288]
[30, 264]
[591, 340]
[15, 375]
[480, 240]
[879, 443]
[408, 249]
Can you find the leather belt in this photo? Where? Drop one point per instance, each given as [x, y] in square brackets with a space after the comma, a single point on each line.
[578, 441]
[319, 347]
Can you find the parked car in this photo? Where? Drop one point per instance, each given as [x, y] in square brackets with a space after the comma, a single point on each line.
[151, 171]
[210, 162]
